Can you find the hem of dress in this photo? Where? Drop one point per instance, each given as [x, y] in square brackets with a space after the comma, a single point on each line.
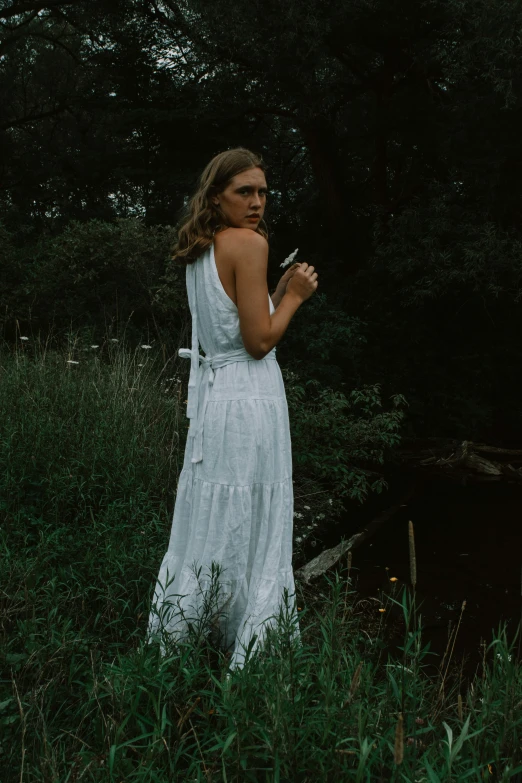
[165, 616]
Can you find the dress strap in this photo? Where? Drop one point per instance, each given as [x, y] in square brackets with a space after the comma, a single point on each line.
[192, 354]
[193, 384]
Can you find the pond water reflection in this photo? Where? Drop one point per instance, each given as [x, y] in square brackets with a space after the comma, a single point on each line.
[468, 543]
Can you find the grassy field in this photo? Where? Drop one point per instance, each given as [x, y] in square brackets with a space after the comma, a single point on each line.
[91, 443]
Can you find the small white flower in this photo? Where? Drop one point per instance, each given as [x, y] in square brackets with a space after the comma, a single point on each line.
[71, 361]
[24, 338]
[290, 258]
[95, 346]
[307, 508]
[114, 340]
[146, 346]
[140, 365]
[330, 501]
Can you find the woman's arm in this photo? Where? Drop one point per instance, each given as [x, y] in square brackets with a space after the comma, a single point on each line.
[276, 298]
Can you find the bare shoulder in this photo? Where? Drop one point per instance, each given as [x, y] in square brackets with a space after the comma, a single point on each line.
[241, 239]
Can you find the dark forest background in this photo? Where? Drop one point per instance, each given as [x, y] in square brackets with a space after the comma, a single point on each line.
[391, 133]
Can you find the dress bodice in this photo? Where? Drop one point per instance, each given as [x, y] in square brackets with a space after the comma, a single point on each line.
[215, 326]
[217, 315]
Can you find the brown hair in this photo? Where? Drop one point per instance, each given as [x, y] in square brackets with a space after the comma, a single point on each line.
[201, 218]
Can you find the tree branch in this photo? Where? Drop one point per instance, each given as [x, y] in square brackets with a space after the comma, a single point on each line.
[22, 7]
[32, 117]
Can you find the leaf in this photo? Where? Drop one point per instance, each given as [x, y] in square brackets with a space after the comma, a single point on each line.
[449, 732]
[434, 778]
[462, 738]
[394, 685]
[229, 741]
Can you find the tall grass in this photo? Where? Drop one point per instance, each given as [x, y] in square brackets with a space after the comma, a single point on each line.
[90, 455]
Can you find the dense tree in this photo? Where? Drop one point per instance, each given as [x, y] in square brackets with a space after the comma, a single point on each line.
[391, 136]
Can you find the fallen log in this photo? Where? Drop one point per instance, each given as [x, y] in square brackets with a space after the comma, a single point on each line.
[454, 460]
[329, 557]
[464, 461]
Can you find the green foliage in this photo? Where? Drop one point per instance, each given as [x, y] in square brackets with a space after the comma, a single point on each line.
[93, 275]
[338, 438]
[62, 416]
[436, 248]
[12, 278]
[88, 696]
[90, 453]
[323, 338]
[391, 135]
[335, 437]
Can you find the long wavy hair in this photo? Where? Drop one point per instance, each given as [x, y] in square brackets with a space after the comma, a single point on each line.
[201, 218]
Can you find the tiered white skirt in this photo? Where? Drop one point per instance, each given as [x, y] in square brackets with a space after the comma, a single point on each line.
[234, 509]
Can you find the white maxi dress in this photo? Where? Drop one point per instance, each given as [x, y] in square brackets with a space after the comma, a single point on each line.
[234, 503]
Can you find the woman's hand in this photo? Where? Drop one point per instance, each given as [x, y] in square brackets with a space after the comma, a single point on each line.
[281, 286]
[303, 283]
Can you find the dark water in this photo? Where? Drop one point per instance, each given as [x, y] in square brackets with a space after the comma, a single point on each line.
[468, 542]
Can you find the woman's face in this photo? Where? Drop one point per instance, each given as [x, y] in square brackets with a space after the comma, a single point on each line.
[245, 195]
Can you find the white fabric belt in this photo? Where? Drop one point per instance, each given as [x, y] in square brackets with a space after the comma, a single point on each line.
[202, 377]
[200, 383]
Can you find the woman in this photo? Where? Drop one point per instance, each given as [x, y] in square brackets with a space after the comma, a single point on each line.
[234, 503]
